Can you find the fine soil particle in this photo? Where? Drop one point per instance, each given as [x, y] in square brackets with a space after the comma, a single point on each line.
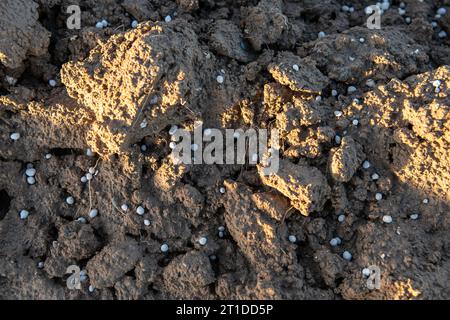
[364, 125]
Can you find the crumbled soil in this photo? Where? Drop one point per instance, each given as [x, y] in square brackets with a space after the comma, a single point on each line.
[358, 95]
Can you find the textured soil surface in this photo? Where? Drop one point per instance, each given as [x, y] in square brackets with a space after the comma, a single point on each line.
[364, 120]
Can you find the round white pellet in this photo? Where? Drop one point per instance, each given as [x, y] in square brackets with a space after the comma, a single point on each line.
[93, 213]
[441, 11]
[140, 210]
[143, 124]
[378, 196]
[366, 272]
[401, 11]
[375, 176]
[124, 207]
[334, 93]
[84, 179]
[147, 222]
[70, 200]
[91, 288]
[143, 148]
[194, 147]
[221, 228]
[202, 241]
[207, 132]
[220, 79]
[425, 201]
[222, 190]
[338, 113]
[52, 83]
[341, 218]
[89, 176]
[296, 67]
[40, 265]
[173, 129]
[164, 248]
[15, 136]
[48, 156]
[168, 19]
[31, 172]
[414, 216]
[387, 219]
[366, 164]
[221, 234]
[362, 40]
[81, 219]
[347, 255]
[370, 83]
[104, 23]
[434, 24]
[351, 89]
[337, 139]
[31, 180]
[236, 135]
[351, 9]
[334, 242]
[99, 25]
[91, 170]
[89, 152]
[292, 239]
[436, 83]
[355, 122]
[24, 214]
[321, 35]
[442, 34]
[134, 24]
[172, 145]
[345, 8]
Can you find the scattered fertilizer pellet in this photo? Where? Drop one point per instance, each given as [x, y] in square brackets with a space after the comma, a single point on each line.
[366, 164]
[441, 11]
[355, 122]
[70, 200]
[347, 255]
[24, 214]
[341, 218]
[296, 67]
[99, 25]
[91, 288]
[387, 219]
[335, 242]
[15, 136]
[425, 201]
[321, 35]
[52, 83]
[164, 247]
[436, 83]
[89, 176]
[212, 257]
[338, 113]
[222, 190]
[408, 20]
[83, 275]
[143, 148]
[173, 129]
[84, 179]
[202, 241]
[82, 220]
[147, 222]
[31, 180]
[194, 147]
[89, 152]
[337, 139]
[221, 228]
[48, 156]
[31, 172]
[378, 196]
[134, 24]
[375, 176]
[168, 19]
[434, 24]
[414, 216]
[334, 93]
[442, 34]
[366, 272]
[172, 145]
[370, 83]
[143, 124]
[140, 210]
[292, 239]
[40, 265]
[11, 81]
[104, 23]
[220, 79]
[124, 207]
[221, 234]
[236, 135]
[351, 89]
[401, 11]
[93, 213]
[207, 132]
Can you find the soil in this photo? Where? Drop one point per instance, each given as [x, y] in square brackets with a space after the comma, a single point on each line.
[359, 97]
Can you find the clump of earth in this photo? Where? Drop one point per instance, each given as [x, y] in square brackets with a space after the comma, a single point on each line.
[87, 178]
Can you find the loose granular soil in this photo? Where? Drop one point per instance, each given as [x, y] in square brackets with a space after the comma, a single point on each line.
[360, 115]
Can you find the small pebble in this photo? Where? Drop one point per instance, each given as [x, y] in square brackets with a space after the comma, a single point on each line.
[347, 255]
[168, 19]
[366, 164]
[147, 222]
[134, 24]
[378, 196]
[93, 213]
[220, 79]
[414, 216]
[70, 200]
[292, 239]
[164, 248]
[375, 176]
[236, 135]
[91, 170]
[31, 180]
[387, 219]
[124, 207]
[296, 67]
[341, 218]
[370, 83]
[140, 210]
[24, 214]
[15, 136]
[202, 241]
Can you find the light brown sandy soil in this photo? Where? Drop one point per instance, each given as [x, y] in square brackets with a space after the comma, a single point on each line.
[111, 81]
